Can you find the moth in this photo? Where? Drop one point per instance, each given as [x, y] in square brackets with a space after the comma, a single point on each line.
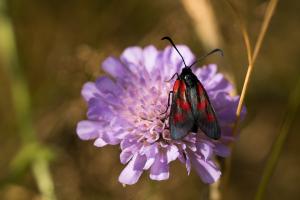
[191, 109]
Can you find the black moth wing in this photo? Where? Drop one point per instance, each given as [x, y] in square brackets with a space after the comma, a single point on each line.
[181, 118]
[206, 119]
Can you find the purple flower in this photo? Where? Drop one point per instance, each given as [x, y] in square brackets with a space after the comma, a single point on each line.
[125, 108]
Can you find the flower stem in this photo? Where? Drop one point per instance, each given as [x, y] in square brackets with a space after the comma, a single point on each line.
[214, 191]
[21, 104]
[293, 106]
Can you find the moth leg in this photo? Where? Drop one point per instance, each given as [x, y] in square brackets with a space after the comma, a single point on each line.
[170, 93]
[173, 77]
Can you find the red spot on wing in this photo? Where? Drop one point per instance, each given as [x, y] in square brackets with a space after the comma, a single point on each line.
[182, 89]
[176, 85]
[185, 105]
[200, 89]
[202, 104]
[178, 118]
[210, 117]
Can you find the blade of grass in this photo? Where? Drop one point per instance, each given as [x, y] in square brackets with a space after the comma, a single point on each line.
[251, 60]
[266, 22]
[243, 29]
[21, 103]
[205, 23]
[293, 106]
[246, 38]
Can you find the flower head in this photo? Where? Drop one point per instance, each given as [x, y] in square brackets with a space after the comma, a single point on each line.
[126, 108]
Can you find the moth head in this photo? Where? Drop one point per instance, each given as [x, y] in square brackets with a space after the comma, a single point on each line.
[188, 77]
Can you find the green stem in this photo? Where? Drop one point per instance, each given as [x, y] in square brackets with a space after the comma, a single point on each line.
[43, 178]
[293, 106]
[21, 103]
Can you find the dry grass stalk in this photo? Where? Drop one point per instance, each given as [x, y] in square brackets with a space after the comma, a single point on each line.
[205, 23]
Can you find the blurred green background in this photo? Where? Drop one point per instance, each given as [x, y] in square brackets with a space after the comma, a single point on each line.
[61, 45]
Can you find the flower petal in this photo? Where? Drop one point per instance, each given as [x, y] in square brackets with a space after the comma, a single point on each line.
[185, 52]
[150, 152]
[227, 113]
[160, 168]
[99, 110]
[114, 67]
[171, 61]
[89, 90]
[188, 164]
[129, 148]
[218, 84]
[106, 85]
[140, 162]
[125, 156]
[149, 55]
[206, 73]
[133, 57]
[205, 169]
[222, 150]
[100, 142]
[87, 130]
[132, 172]
[205, 148]
[110, 137]
[128, 141]
[172, 153]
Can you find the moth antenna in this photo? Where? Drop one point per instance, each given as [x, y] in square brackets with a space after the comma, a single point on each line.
[170, 40]
[173, 77]
[209, 53]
